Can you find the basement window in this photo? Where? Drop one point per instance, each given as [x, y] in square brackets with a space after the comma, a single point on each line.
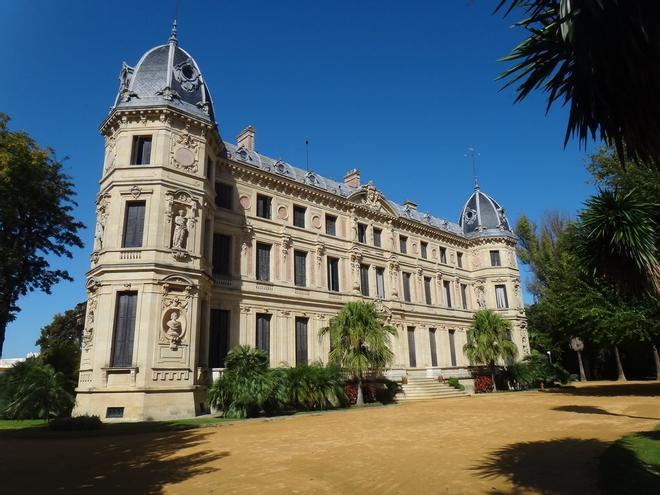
[114, 412]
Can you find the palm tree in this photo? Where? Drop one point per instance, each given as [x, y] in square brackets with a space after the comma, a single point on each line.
[602, 59]
[359, 341]
[488, 340]
[578, 346]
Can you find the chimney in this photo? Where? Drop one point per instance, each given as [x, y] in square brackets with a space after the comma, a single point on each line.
[410, 204]
[246, 138]
[352, 178]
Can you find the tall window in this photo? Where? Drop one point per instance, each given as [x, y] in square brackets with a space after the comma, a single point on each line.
[263, 262]
[209, 168]
[446, 285]
[299, 216]
[423, 247]
[301, 341]
[403, 244]
[141, 154]
[263, 333]
[263, 206]
[412, 354]
[443, 255]
[300, 268]
[124, 331]
[432, 346]
[221, 254]
[380, 282]
[464, 296]
[223, 195]
[452, 347]
[500, 297]
[218, 338]
[362, 233]
[333, 274]
[377, 237]
[495, 258]
[406, 286]
[459, 259]
[133, 224]
[364, 280]
[427, 290]
[330, 224]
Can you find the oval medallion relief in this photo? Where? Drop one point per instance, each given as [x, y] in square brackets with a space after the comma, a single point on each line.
[282, 214]
[185, 157]
[316, 221]
[245, 202]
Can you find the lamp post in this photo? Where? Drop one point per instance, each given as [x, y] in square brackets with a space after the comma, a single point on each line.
[577, 345]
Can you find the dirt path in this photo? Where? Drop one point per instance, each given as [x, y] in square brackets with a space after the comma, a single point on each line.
[506, 443]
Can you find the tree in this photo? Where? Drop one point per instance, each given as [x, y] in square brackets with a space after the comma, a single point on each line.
[36, 202]
[600, 57]
[489, 341]
[359, 341]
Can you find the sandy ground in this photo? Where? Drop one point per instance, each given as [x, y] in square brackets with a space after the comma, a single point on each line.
[529, 442]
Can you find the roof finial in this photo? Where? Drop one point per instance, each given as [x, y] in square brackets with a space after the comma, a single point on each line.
[173, 33]
[472, 153]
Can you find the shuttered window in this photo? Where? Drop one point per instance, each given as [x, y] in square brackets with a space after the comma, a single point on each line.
[446, 285]
[464, 296]
[124, 331]
[263, 333]
[452, 347]
[377, 237]
[406, 286]
[443, 255]
[223, 195]
[427, 290]
[221, 254]
[300, 268]
[218, 338]
[331, 225]
[263, 262]
[423, 246]
[362, 233]
[133, 224]
[301, 341]
[299, 216]
[432, 346]
[141, 154]
[380, 282]
[263, 206]
[333, 274]
[412, 353]
[459, 259]
[403, 244]
[364, 280]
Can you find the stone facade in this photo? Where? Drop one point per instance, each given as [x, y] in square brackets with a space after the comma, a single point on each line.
[198, 239]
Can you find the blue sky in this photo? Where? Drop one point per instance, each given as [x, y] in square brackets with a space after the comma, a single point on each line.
[397, 89]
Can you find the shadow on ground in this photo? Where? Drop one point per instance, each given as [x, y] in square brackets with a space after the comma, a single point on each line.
[565, 466]
[124, 464]
[649, 389]
[624, 473]
[598, 410]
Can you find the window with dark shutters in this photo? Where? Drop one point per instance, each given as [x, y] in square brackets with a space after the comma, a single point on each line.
[364, 280]
[377, 237]
[333, 274]
[300, 268]
[432, 346]
[299, 216]
[221, 254]
[447, 288]
[412, 352]
[218, 338]
[362, 233]
[423, 246]
[141, 154]
[223, 195]
[452, 347]
[459, 259]
[427, 290]
[263, 206]
[380, 282]
[263, 262]
[124, 331]
[464, 296]
[443, 255]
[263, 333]
[403, 244]
[301, 341]
[133, 224]
[330, 224]
[406, 286]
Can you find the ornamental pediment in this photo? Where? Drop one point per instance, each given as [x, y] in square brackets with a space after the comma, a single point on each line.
[371, 198]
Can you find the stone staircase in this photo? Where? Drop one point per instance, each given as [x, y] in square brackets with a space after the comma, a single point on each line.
[422, 388]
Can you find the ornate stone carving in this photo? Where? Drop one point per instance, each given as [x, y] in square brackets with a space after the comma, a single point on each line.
[184, 152]
[174, 328]
[177, 293]
[479, 289]
[187, 75]
[245, 202]
[168, 93]
[180, 233]
[102, 203]
[182, 211]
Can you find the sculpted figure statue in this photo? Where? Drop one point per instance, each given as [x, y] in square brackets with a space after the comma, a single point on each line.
[180, 230]
[481, 298]
[174, 329]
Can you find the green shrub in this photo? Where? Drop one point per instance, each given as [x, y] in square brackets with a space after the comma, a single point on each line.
[315, 386]
[533, 370]
[453, 382]
[76, 423]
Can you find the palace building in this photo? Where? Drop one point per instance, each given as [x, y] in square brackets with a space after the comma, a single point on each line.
[203, 244]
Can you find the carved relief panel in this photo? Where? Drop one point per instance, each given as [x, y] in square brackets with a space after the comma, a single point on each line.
[182, 213]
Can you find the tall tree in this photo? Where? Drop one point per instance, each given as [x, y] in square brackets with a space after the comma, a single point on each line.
[359, 341]
[489, 340]
[36, 221]
[600, 57]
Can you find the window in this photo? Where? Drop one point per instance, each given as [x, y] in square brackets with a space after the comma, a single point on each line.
[377, 236]
[330, 224]
[141, 154]
[223, 195]
[403, 244]
[221, 254]
[423, 247]
[364, 280]
[263, 262]
[218, 338]
[263, 333]
[427, 290]
[333, 274]
[124, 331]
[207, 234]
[133, 224]
[362, 233]
[301, 341]
[412, 354]
[495, 258]
[114, 412]
[263, 206]
[452, 347]
[300, 268]
[380, 282]
[459, 259]
[406, 286]
[432, 346]
[209, 168]
[464, 296]
[500, 297]
[299, 216]
[446, 285]
[443, 255]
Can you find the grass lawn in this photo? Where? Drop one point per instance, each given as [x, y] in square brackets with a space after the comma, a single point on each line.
[19, 424]
[632, 464]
